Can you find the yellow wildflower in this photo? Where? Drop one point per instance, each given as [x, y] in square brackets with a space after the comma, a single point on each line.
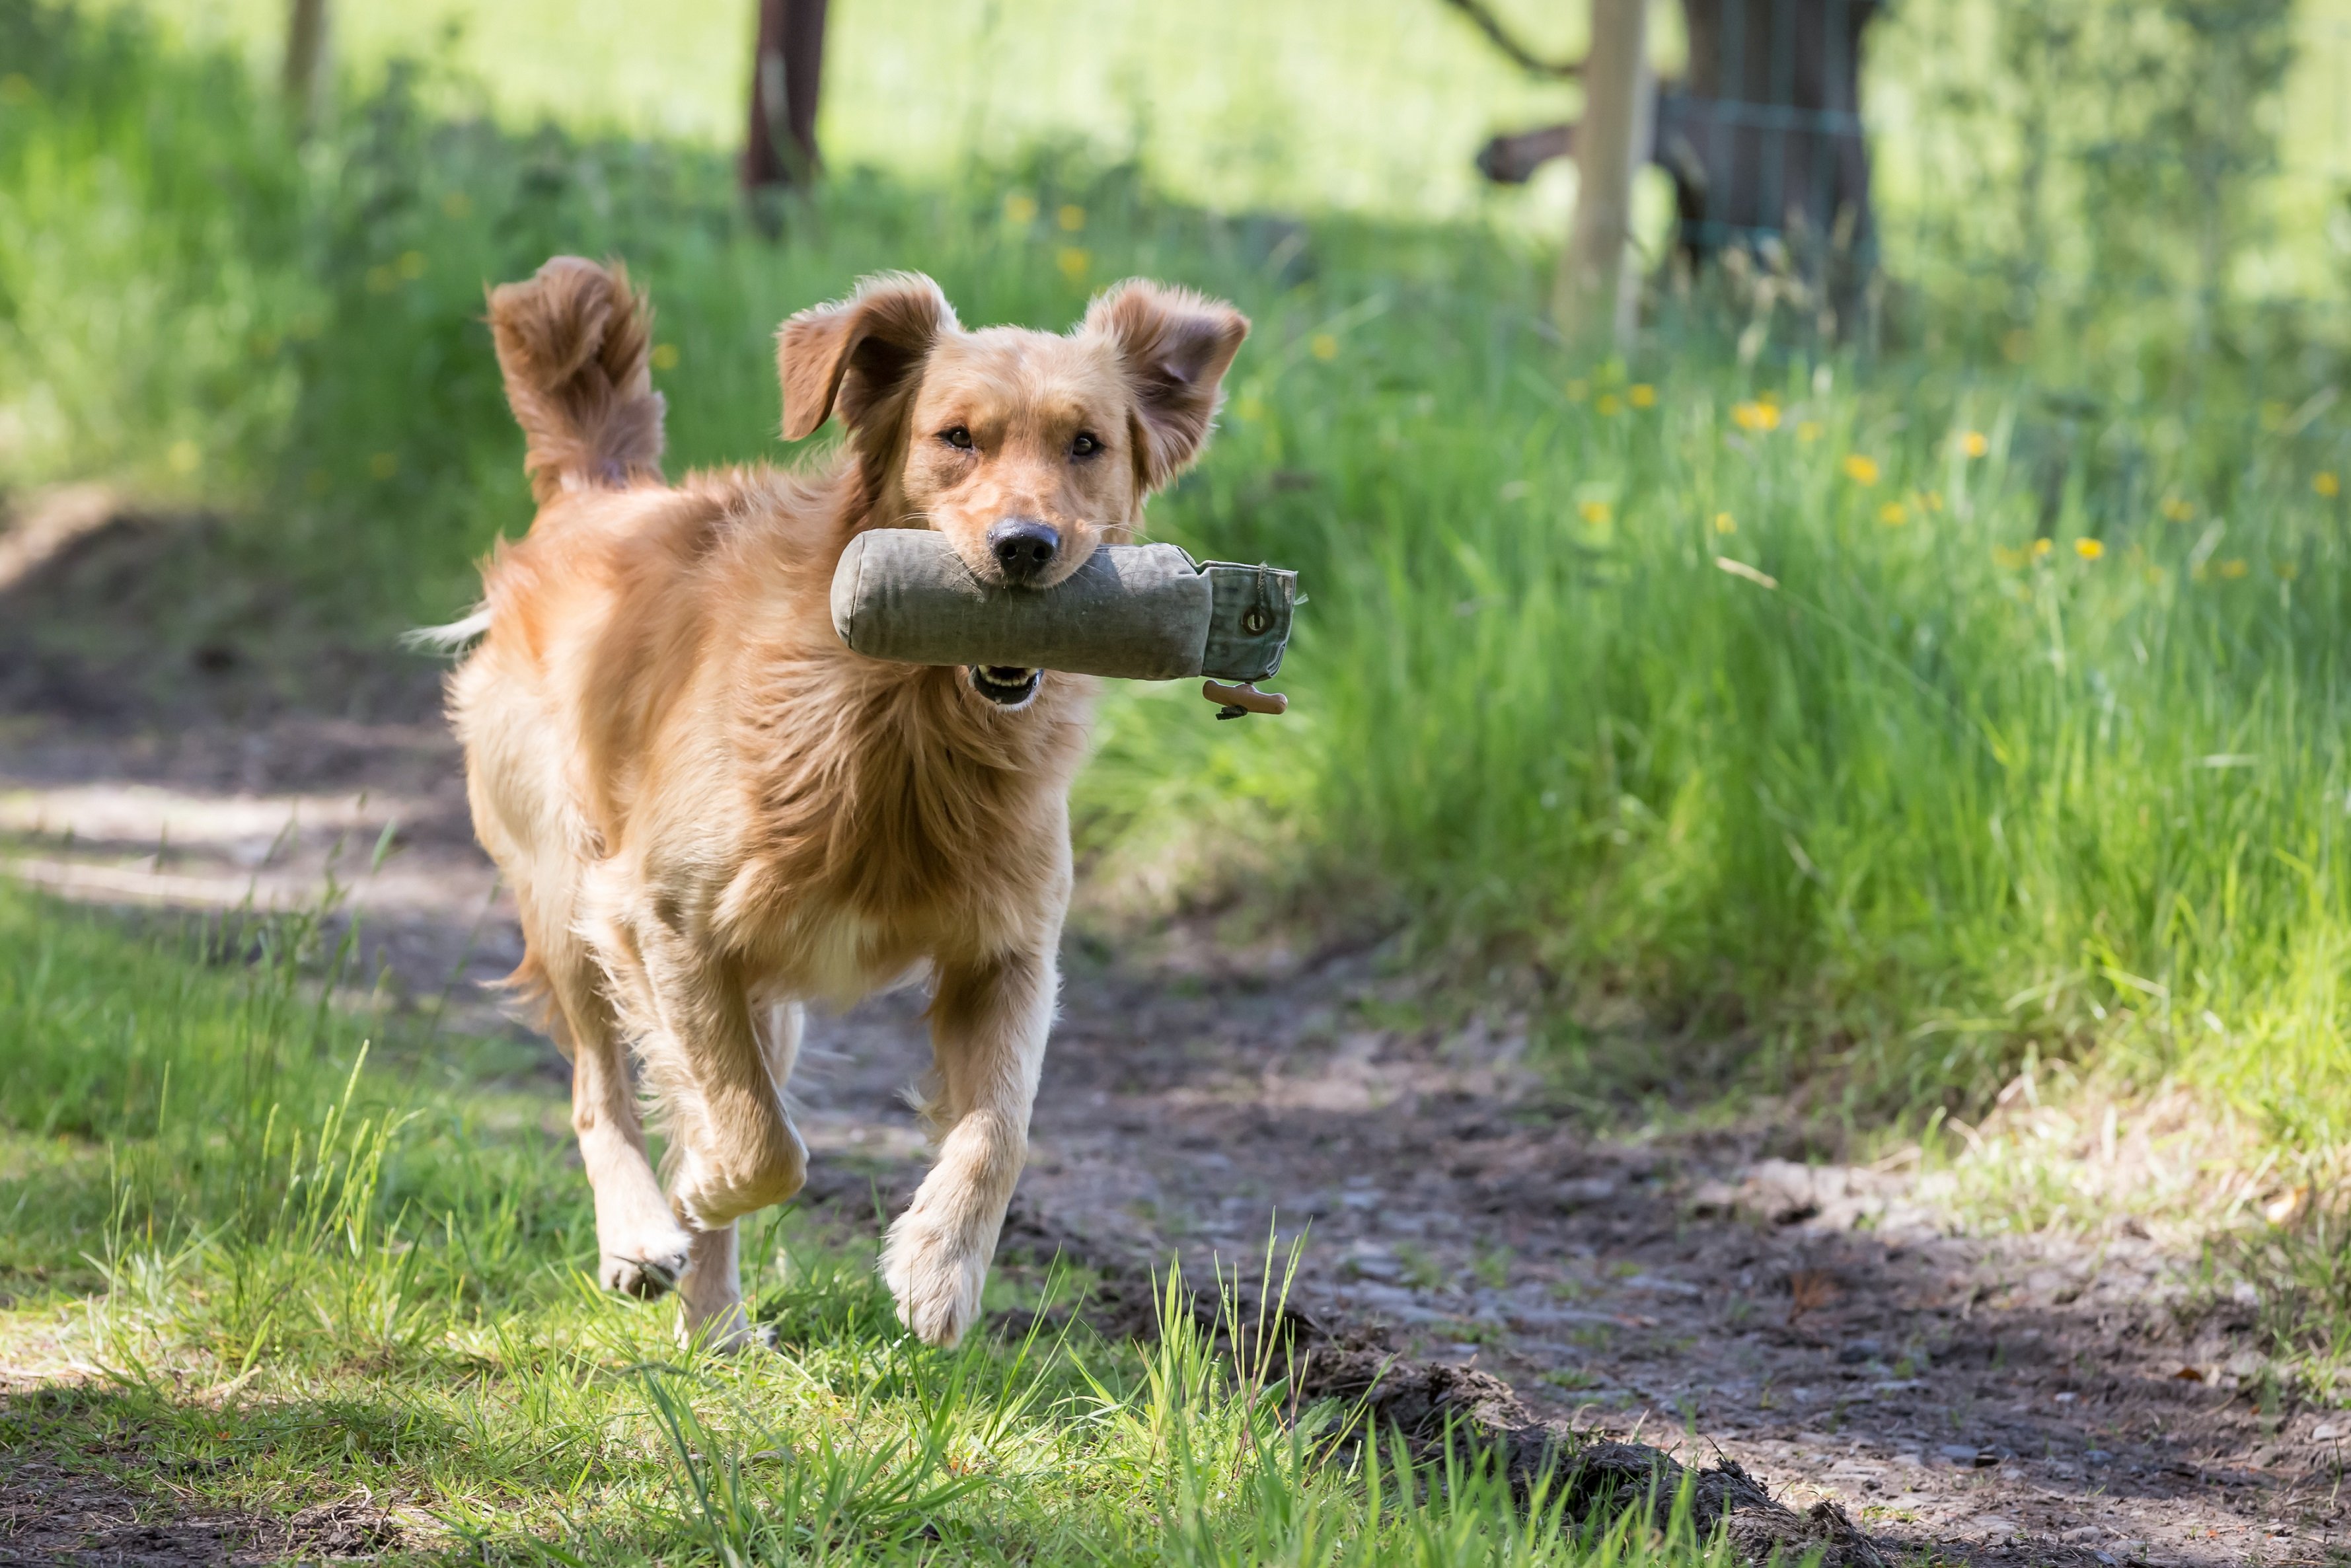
[664, 356]
[1724, 523]
[2089, 550]
[1810, 431]
[1894, 514]
[1861, 470]
[1756, 416]
[1577, 391]
[1610, 405]
[1019, 208]
[1072, 217]
[184, 456]
[2233, 568]
[1323, 347]
[1595, 512]
[2042, 547]
[1972, 443]
[1074, 262]
[2326, 484]
[1642, 394]
[2177, 510]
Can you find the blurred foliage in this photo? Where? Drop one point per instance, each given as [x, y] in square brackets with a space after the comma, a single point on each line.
[2034, 745]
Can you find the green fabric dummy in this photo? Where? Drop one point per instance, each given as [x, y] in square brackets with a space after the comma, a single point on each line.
[1143, 613]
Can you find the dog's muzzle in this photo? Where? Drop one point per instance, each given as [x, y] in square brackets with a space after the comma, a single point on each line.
[1008, 686]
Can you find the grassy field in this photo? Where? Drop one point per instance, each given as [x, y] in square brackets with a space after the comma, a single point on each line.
[1916, 721]
[297, 1272]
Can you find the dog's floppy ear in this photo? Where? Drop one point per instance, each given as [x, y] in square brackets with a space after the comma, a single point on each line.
[1177, 346]
[851, 357]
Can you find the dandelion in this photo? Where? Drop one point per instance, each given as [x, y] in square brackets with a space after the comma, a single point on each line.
[1972, 443]
[1072, 217]
[1610, 405]
[1577, 391]
[1250, 407]
[2326, 484]
[1861, 470]
[1642, 394]
[1074, 262]
[2233, 568]
[1894, 514]
[664, 356]
[384, 464]
[2089, 550]
[1323, 347]
[1755, 416]
[2042, 547]
[1596, 513]
[1724, 523]
[2176, 510]
[1810, 431]
[1020, 208]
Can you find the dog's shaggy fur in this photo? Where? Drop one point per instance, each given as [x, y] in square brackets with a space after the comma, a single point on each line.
[710, 811]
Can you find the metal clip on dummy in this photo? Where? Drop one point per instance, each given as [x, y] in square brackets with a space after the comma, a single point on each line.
[1139, 612]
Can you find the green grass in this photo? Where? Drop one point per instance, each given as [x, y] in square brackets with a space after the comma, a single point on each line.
[254, 1267]
[1945, 801]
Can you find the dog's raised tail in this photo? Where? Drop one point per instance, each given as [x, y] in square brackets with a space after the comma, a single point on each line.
[574, 345]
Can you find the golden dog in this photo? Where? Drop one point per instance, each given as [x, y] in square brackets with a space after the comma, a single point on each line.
[711, 812]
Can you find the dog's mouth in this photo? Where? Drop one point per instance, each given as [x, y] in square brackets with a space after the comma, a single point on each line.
[1007, 686]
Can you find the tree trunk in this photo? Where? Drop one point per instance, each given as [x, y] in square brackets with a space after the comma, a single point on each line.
[1767, 132]
[1596, 296]
[786, 72]
[306, 63]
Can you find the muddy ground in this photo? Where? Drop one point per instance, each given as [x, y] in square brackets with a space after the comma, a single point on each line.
[2010, 1399]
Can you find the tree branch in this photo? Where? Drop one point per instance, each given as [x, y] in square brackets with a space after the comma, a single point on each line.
[1483, 18]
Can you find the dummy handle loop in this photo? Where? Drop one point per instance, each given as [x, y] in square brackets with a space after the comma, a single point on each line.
[1238, 701]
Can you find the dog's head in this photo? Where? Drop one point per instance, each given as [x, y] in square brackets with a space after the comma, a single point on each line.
[1028, 450]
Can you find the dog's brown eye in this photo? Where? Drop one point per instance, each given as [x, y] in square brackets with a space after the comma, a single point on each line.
[956, 437]
[1085, 445]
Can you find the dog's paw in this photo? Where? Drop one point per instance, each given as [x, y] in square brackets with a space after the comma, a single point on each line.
[936, 1279]
[646, 1267]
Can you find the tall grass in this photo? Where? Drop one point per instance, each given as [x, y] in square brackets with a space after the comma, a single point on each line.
[2030, 745]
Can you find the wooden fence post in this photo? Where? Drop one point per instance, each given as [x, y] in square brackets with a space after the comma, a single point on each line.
[1596, 296]
[306, 63]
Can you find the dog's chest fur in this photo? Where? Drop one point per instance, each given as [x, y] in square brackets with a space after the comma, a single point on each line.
[893, 818]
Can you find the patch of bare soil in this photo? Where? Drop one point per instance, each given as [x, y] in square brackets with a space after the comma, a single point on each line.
[2025, 1399]
[80, 1508]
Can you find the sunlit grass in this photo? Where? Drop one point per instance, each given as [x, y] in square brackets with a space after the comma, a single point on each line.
[369, 1292]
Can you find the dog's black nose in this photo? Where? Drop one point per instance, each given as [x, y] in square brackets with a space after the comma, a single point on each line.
[1024, 548]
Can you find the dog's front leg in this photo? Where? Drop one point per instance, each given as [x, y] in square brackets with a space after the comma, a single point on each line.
[733, 1146]
[988, 1023]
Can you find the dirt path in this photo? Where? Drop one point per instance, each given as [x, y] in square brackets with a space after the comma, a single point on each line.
[2017, 1400]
